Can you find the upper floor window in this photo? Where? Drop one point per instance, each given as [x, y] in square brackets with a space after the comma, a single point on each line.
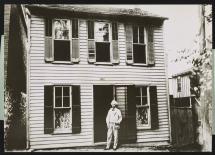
[102, 40]
[61, 40]
[139, 45]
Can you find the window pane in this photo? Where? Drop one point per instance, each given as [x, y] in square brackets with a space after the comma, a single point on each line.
[135, 34]
[101, 31]
[90, 30]
[58, 91]
[62, 118]
[144, 101]
[137, 91]
[66, 101]
[138, 99]
[65, 91]
[102, 52]
[144, 91]
[61, 29]
[58, 101]
[142, 116]
[74, 28]
[61, 50]
[139, 53]
[141, 34]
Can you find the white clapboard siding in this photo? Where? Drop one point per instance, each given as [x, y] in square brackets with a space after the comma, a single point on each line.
[86, 75]
[185, 87]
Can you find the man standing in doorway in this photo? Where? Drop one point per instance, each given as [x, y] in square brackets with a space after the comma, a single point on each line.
[113, 120]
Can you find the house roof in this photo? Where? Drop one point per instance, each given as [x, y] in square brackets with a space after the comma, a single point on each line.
[185, 72]
[91, 9]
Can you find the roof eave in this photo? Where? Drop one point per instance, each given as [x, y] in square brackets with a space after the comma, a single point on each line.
[31, 7]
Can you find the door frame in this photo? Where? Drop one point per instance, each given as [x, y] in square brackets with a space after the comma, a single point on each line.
[103, 84]
[93, 103]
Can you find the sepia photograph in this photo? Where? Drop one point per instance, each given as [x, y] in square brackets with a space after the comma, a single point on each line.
[107, 78]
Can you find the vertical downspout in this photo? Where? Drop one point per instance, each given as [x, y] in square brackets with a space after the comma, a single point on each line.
[28, 73]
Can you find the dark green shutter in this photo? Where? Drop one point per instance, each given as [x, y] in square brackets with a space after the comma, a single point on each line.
[131, 115]
[129, 43]
[75, 41]
[49, 56]
[150, 45]
[154, 107]
[91, 43]
[48, 110]
[76, 110]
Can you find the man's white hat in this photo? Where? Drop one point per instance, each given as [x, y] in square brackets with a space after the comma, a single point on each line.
[114, 102]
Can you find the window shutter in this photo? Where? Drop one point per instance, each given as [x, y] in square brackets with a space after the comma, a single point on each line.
[115, 50]
[131, 115]
[154, 107]
[150, 45]
[48, 110]
[91, 43]
[75, 40]
[76, 110]
[129, 43]
[49, 55]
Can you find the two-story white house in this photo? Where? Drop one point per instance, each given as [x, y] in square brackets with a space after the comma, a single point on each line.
[80, 58]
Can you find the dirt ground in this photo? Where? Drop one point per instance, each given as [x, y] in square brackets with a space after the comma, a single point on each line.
[130, 148]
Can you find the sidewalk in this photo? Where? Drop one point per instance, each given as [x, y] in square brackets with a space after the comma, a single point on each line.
[127, 148]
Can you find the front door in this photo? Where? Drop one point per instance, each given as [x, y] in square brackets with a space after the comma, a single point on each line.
[124, 95]
[103, 95]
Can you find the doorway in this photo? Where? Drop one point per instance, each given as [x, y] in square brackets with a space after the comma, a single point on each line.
[124, 95]
[103, 95]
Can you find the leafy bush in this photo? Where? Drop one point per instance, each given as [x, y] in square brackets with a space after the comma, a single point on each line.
[15, 120]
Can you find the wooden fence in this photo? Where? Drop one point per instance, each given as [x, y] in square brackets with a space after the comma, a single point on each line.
[182, 126]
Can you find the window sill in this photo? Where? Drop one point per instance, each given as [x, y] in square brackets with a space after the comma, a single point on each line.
[139, 64]
[68, 131]
[104, 63]
[62, 62]
[144, 128]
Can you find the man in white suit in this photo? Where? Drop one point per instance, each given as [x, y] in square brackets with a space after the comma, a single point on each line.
[113, 120]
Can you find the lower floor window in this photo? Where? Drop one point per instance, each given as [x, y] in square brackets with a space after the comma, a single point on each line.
[62, 108]
[142, 107]
[62, 119]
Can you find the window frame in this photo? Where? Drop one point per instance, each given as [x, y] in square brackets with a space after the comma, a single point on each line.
[148, 126]
[109, 40]
[145, 43]
[70, 41]
[69, 130]
[179, 84]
